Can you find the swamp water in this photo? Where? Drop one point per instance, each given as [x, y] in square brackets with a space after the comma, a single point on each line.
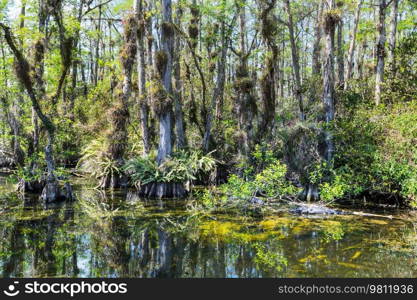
[119, 235]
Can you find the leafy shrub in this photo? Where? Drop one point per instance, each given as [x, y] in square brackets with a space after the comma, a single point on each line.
[270, 182]
[376, 154]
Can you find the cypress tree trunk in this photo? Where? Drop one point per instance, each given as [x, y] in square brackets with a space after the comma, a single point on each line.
[268, 92]
[142, 97]
[179, 116]
[340, 58]
[330, 21]
[150, 74]
[218, 93]
[120, 113]
[165, 70]
[162, 105]
[246, 104]
[295, 61]
[316, 63]
[380, 51]
[351, 51]
[393, 34]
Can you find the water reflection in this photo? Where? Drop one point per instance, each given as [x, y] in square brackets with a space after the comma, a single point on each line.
[119, 235]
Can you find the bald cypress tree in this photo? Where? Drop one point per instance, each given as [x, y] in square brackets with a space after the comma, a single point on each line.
[119, 114]
[330, 21]
[162, 100]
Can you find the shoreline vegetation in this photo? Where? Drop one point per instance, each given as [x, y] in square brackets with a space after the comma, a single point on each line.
[257, 102]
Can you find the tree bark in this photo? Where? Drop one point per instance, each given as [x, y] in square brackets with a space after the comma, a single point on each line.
[165, 118]
[178, 112]
[330, 21]
[316, 62]
[268, 93]
[351, 52]
[143, 95]
[393, 34]
[340, 58]
[295, 61]
[380, 51]
[218, 93]
[97, 46]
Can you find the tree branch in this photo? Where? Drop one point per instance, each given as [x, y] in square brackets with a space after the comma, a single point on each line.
[90, 9]
[22, 68]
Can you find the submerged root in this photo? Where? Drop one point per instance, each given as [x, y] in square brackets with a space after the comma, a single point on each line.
[49, 191]
[310, 193]
[163, 190]
[113, 180]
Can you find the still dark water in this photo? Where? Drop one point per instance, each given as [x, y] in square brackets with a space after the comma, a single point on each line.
[119, 235]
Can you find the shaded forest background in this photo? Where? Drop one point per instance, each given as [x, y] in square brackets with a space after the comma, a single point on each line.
[314, 99]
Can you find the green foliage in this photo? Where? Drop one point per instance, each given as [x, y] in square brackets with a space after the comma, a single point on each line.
[401, 84]
[181, 167]
[95, 162]
[143, 170]
[238, 187]
[29, 175]
[376, 154]
[270, 182]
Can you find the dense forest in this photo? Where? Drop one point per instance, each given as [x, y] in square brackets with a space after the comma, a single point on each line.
[254, 100]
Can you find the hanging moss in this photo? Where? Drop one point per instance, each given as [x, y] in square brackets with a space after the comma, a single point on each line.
[39, 47]
[193, 31]
[239, 137]
[212, 66]
[117, 138]
[141, 28]
[160, 100]
[195, 12]
[66, 51]
[161, 60]
[193, 26]
[130, 26]
[331, 18]
[22, 70]
[242, 71]
[301, 149]
[129, 50]
[168, 29]
[150, 39]
[268, 95]
[244, 84]
[269, 26]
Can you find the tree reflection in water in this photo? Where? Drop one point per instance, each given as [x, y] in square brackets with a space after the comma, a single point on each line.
[120, 235]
